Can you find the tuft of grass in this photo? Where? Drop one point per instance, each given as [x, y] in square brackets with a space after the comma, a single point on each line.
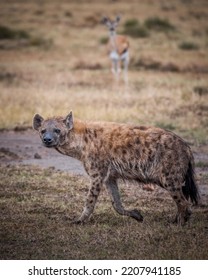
[200, 136]
[188, 46]
[103, 40]
[201, 164]
[39, 12]
[7, 33]
[40, 42]
[134, 29]
[159, 24]
[168, 126]
[201, 90]
[7, 77]
[68, 14]
[131, 23]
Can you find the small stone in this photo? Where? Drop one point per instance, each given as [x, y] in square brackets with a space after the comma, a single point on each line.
[37, 156]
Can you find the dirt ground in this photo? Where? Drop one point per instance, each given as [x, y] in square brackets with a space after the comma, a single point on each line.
[24, 148]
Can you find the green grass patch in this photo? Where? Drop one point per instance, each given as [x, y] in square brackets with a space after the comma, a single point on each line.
[7, 33]
[131, 23]
[133, 28]
[201, 164]
[12, 34]
[168, 126]
[37, 207]
[159, 24]
[199, 135]
[188, 46]
[103, 40]
[41, 42]
[201, 90]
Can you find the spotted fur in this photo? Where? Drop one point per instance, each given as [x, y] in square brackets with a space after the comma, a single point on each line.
[110, 151]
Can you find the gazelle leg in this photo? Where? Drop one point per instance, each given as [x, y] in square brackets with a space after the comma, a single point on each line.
[115, 68]
[125, 66]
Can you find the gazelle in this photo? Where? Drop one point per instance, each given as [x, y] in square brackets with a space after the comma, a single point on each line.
[118, 48]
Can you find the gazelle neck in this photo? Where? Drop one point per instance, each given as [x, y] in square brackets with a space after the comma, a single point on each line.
[112, 35]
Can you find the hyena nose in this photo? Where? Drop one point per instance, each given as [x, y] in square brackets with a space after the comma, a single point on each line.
[47, 140]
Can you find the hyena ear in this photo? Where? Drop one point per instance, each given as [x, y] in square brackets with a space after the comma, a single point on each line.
[69, 122]
[37, 121]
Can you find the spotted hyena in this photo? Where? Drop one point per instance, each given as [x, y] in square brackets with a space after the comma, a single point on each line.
[110, 151]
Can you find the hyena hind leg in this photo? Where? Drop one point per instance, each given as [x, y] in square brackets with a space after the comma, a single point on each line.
[183, 206]
[112, 187]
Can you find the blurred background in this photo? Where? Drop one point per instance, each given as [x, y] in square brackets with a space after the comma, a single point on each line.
[53, 59]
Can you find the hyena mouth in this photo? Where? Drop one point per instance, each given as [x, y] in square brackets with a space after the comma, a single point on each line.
[49, 145]
[49, 142]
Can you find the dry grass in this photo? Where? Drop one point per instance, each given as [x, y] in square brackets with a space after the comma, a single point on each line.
[37, 207]
[73, 73]
[151, 99]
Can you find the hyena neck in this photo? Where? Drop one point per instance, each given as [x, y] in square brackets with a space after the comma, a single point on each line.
[74, 143]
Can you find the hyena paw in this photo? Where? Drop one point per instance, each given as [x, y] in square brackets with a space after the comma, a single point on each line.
[136, 215]
[182, 219]
[77, 222]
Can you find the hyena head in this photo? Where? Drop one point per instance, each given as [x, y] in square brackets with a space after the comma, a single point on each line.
[53, 132]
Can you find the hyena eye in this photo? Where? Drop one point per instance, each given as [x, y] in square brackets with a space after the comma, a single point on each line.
[43, 131]
[57, 130]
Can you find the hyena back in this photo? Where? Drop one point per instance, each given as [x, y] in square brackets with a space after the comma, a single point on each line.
[110, 151]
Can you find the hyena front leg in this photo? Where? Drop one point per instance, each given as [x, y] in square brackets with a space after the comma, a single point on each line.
[93, 193]
[116, 201]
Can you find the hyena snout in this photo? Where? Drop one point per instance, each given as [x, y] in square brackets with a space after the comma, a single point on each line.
[49, 140]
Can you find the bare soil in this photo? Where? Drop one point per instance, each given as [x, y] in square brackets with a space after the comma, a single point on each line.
[23, 147]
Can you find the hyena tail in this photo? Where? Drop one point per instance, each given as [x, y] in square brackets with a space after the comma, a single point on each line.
[190, 190]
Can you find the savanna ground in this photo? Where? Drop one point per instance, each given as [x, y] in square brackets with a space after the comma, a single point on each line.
[53, 59]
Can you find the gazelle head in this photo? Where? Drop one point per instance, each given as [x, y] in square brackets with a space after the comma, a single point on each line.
[111, 24]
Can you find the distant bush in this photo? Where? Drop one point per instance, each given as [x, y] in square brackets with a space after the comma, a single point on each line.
[168, 126]
[103, 40]
[131, 23]
[201, 90]
[68, 14]
[134, 29]
[188, 46]
[12, 34]
[158, 24]
[40, 42]
[7, 33]
[39, 12]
